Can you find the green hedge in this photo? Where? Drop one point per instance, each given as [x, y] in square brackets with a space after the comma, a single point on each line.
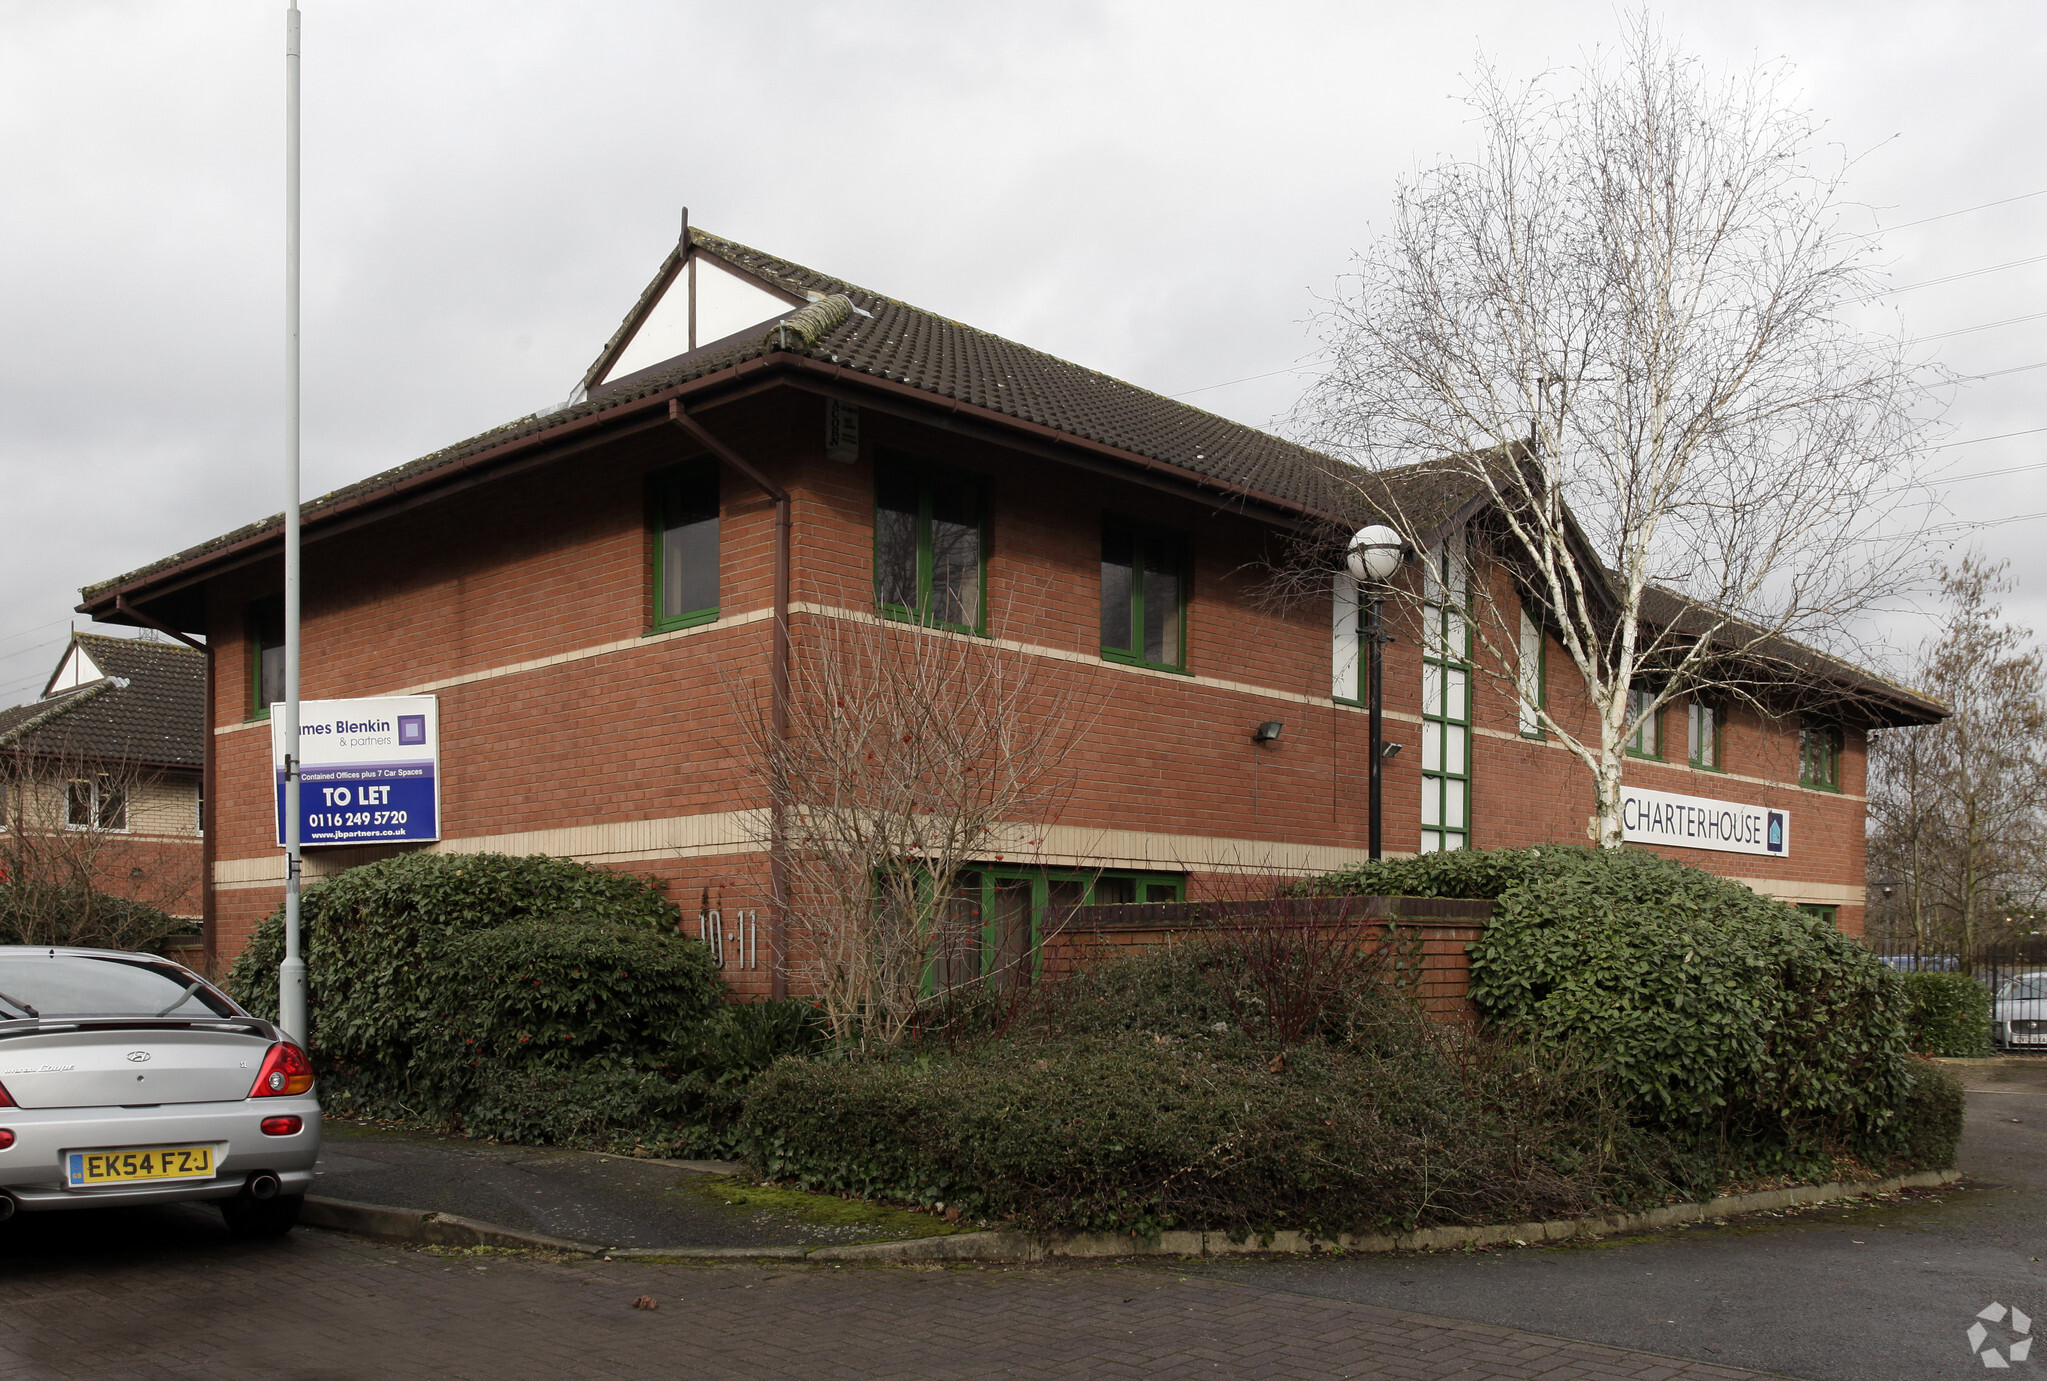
[376, 941]
[37, 915]
[1931, 1118]
[529, 999]
[1130, 1100]
[1727, 1021]
[1946, 1014]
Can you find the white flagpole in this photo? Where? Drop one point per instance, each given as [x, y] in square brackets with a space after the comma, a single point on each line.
[291, 974]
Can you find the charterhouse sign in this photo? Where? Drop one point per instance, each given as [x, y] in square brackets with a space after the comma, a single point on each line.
[1699, 822]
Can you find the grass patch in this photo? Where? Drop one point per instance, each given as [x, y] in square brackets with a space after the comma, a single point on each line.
[885, 1222]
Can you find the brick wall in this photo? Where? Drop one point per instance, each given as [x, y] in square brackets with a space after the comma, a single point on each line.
[568, 727]
[1426, 941]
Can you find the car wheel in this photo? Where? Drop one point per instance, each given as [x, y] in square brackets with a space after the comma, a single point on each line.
[257, 1218]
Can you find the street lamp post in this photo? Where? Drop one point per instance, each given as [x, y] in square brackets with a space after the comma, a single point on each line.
[1374, 554]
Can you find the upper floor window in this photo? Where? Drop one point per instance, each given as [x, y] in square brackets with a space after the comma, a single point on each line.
[686, 546]
[95, 803]
[1532, 675]
[1646, 741]
[265, 621]
[1819, 756]
[1704, 722]
[1144, 596]
[929, 546]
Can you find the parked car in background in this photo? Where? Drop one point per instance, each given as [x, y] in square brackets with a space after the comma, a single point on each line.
[2019, 1016]
[129, 1079]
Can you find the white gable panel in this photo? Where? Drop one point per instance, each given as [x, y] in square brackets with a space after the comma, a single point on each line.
[662, 336]
[727, 303]
[78, 669]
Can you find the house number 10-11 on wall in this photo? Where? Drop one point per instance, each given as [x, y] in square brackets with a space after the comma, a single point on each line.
[743, 938]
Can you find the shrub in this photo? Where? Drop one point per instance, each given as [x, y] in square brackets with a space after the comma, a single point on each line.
[90, 920]
[562, 993]
[614, 1107]
[1726, 1020]
[1127, 1099]
[1946, 1014]
[373, 939]
[1931, 1118]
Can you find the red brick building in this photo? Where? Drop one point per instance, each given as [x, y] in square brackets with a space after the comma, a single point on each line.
[593, 595]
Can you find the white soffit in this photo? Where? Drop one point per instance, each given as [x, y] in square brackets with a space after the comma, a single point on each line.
[726, 303]
[77, 669]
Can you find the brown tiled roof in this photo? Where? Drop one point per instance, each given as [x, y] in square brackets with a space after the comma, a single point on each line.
[156, 719]
[930, 353]
[1830, 683]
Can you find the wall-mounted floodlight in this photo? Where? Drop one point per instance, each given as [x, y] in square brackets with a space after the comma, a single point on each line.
[1268, 732]
[1389, 751]
[1374, 553]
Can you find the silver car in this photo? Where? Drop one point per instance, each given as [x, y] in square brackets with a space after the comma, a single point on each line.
[2020, 1017]
[129, 1079]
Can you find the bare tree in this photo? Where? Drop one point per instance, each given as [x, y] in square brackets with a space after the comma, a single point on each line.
[1622, 322]
[911, 752]
[1958, 809]
[73, 869]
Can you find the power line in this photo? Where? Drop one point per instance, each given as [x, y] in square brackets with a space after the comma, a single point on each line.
[2006, 201]
[24, 632]
[1965, 330]
[2000, 373]
[1956, 277]
[1291, 369]
[1987, 474]
[1999, 437]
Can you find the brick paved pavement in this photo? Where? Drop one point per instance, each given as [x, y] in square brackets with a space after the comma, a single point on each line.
[162, 1295]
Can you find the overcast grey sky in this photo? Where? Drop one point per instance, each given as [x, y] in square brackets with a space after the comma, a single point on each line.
[1156, 190]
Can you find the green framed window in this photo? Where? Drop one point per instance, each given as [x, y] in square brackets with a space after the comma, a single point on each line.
[1144, 596]
[993, 926]
[264, 621]
[1532, 675]
[683, 506]
[1705, 728]
[1830, 914]
[1819, 757]
[1446, 698]
[930, 545]
[1647, 740]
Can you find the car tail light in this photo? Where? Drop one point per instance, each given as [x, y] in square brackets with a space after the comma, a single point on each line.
[289, 1125]
[6, 1098]
[286, 1071]
[6, 1138]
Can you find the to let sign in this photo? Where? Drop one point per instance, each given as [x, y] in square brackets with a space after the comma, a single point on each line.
[369, 770]
[1699, 822]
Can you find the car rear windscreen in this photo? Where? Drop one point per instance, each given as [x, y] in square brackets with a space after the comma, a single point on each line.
[77, 985]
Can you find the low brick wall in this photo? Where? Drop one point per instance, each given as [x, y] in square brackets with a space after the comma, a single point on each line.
[1431, 935]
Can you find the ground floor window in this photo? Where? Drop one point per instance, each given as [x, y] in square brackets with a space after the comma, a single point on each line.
[994, 922]
[1830, 914]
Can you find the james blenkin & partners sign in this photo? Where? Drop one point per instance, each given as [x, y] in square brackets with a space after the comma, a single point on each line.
[1699, 822]
[369, 770]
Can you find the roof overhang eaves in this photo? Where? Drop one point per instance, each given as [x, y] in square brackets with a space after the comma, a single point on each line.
[103, 601]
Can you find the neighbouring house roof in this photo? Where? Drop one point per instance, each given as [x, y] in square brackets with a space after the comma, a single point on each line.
[147, 707]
